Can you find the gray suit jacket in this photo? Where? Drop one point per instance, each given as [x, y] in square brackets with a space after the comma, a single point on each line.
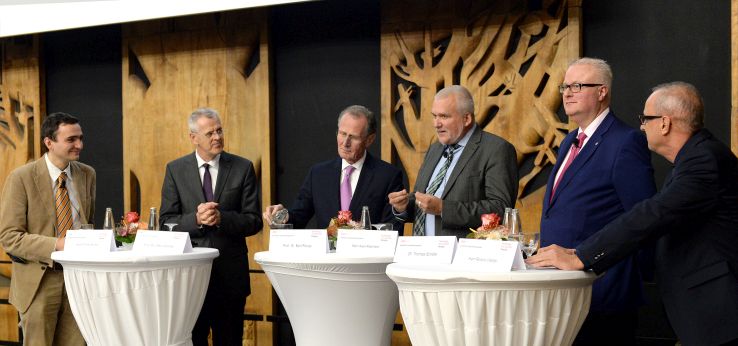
[238, 203]
[484, 180]
[28, 223]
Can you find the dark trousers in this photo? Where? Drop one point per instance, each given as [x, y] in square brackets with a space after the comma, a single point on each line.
[224, 314]
[608, 328]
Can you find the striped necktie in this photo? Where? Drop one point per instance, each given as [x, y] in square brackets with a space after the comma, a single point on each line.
[419, 225]
[63, 206]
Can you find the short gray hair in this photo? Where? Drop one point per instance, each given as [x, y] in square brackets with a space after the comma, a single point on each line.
[464, 100]
[361, 111]
[200, 113]
[683, 101]
[603, 69]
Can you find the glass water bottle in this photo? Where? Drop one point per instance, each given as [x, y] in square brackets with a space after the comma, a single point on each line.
[109, 220]
[153, 219]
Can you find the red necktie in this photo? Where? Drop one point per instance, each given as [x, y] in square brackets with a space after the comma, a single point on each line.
[572, 155]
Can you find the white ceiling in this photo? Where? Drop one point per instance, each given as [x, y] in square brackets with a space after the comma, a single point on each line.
[20, 17]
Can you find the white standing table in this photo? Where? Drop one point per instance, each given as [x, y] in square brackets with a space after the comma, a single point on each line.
[332, 299]
[452, 305]
[123, 298]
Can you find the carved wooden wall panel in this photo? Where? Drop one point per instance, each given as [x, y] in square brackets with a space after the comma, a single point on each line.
[511, 59]
[21, 112]
[734, 75]
[170, 68]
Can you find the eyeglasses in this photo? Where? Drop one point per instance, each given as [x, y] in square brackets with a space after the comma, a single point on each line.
[576, 87]
[645, 118]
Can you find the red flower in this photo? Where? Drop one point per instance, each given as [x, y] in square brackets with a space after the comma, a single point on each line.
[490, 221]
[131, 217]
[344, 216]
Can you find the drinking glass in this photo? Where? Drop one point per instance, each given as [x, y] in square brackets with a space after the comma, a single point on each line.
[170, 226]
[530, 243]
[280, 216]
[280, 225]
[86, 226]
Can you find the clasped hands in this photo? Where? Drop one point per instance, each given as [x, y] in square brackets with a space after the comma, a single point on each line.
[430, 204]
[208, 214]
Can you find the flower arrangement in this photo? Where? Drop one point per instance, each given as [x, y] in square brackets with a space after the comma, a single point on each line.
[490, 229]
[125, 232]
[343, 220]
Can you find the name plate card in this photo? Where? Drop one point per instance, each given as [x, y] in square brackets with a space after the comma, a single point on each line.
[490, 255]
[427, 250]
[299, 241]
[162, 242]
[355, 242]
[89, 241]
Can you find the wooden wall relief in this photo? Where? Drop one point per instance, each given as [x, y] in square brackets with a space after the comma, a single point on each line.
[170, 68]
[510, 57]
[734, 76]
[21, 112]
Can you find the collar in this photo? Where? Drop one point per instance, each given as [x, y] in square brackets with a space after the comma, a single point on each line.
[357, 165]
[462, 142]
[594, 124]
[213, 163]
[54, 171]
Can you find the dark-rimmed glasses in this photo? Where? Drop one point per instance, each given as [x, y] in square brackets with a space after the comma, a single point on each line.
[645, 118]
[576, 87]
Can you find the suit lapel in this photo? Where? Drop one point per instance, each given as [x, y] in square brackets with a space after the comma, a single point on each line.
[471, 148]
[585, 154]
[80, 184]
[42, 181]
[429, 164]
[365, 180]
[192, 174]
[224, 170]
[563, 150]
[332, 185]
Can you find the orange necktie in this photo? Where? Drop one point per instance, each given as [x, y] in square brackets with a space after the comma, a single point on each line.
[63, 206]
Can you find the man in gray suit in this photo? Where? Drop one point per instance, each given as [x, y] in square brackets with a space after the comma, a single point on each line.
[212, 195]
[467, 173]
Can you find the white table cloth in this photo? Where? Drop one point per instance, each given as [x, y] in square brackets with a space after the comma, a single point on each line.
[332, 299]
[452, 305]
[123, 298]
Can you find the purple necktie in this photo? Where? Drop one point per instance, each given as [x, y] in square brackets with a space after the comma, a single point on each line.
[207, 184]
[346, 188]
[574, 152]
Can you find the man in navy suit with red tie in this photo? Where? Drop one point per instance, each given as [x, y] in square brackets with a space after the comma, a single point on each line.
[349, 182]
[693, 222]
[602, 170]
